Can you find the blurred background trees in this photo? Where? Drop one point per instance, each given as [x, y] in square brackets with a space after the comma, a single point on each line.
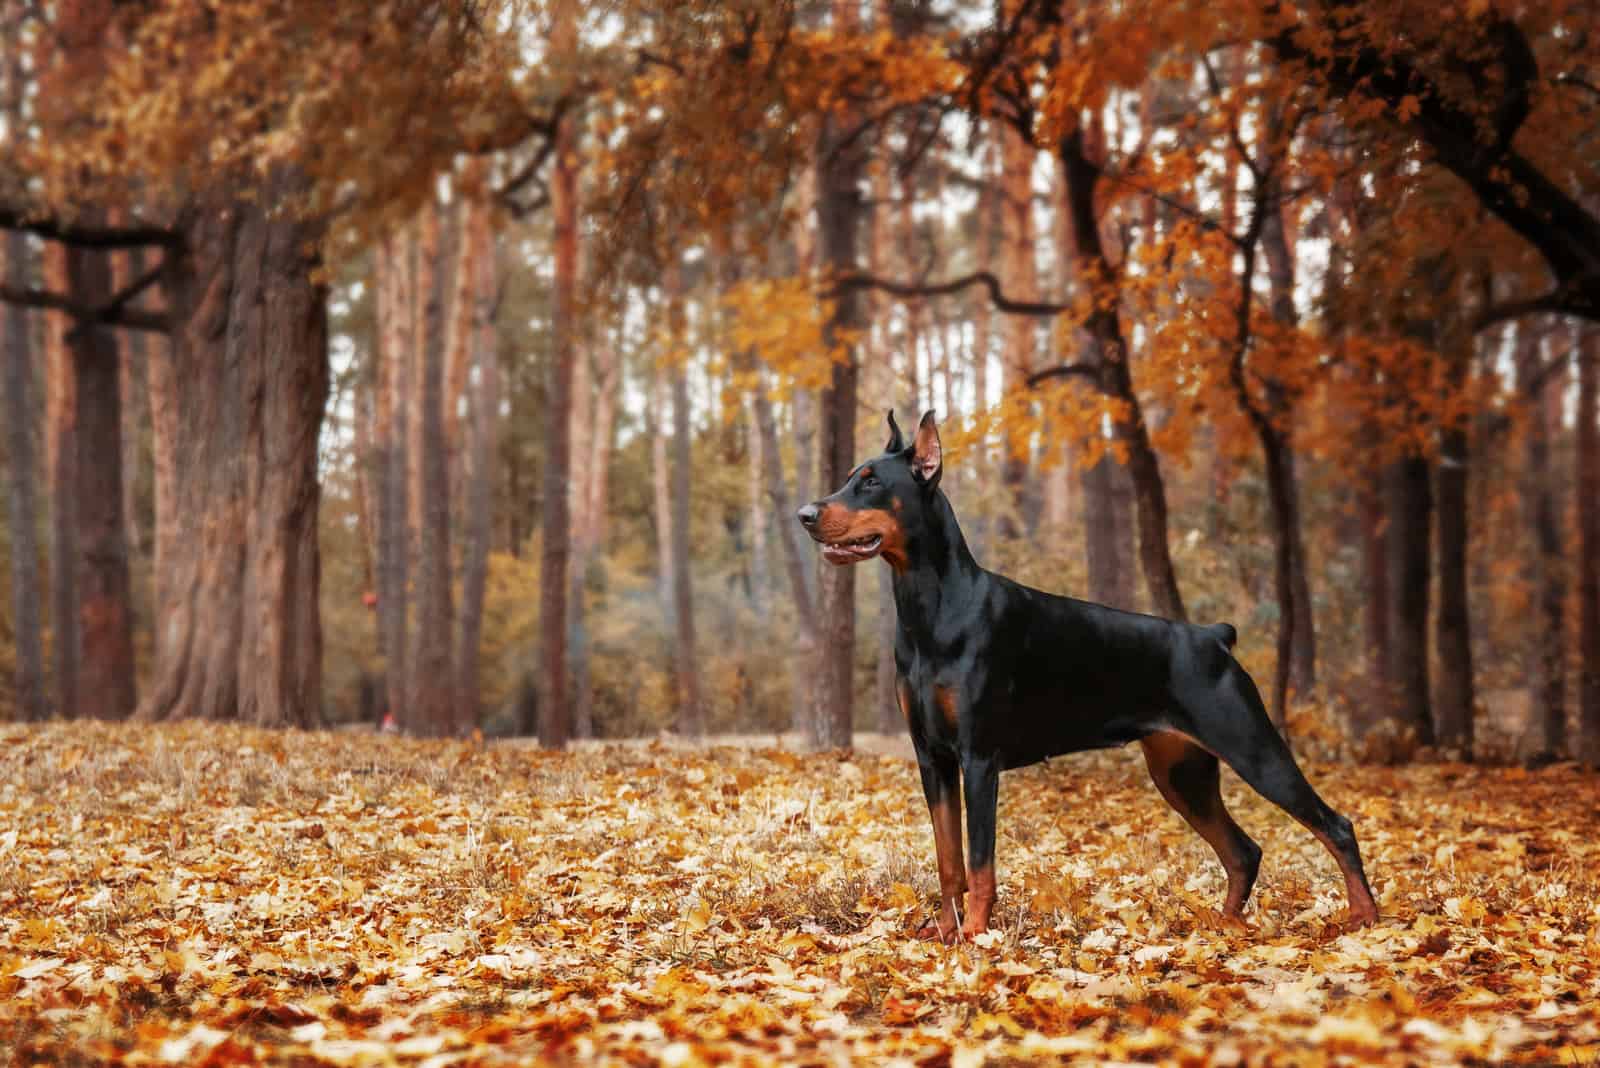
[463, 362]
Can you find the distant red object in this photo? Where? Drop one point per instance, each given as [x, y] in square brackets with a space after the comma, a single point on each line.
[369, 599]
[389, 726]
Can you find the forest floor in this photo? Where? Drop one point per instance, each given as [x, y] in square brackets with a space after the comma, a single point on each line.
[208, 894]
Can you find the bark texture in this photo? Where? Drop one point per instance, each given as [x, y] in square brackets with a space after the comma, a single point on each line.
[61, 465]
[390, 449]
[1545, 574]
[1587, 493]
[1409, 504]
[105, 687]
[1453, 694]
[841, 165]
[240, 636]
[1115, 378]
[691, 717]
[22, 509]
[555, 720]
[480, 468]
[432, 675]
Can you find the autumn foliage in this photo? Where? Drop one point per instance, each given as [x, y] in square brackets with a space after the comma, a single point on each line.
[225, 896]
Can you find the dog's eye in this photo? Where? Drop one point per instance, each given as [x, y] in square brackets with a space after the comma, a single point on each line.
[869, 482]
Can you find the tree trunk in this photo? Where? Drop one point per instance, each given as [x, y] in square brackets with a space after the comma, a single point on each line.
[1545, 564]
[1116, 379]
[1020, 275]
[131, 355]
[1301, 637]
[17, 383]
[432, 705]
[1107, 534]
[105, 610]
[162, 390]
[391, 448]
[61, 465]
[1453, 695]
[242, 637]
[691, 718]
[1409, 503]
[661, 484]
[581, 430]
[760, 562]
[1587, 492]
[783, 509]
[1375, 624]
[1285, 519]
[841, 163]
[480, 484]
[555, 722]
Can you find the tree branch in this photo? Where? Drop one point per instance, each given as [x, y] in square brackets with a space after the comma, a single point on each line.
[85, 236]
[1002, 303]
[132, 318]
[1505, 181]
[1085, 370]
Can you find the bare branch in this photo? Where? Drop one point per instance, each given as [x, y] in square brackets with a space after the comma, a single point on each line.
[1002, 303]
[87, 236]
[132, 318]
[1091, 371]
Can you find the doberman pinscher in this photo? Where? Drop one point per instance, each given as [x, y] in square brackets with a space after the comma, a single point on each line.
[992, 675]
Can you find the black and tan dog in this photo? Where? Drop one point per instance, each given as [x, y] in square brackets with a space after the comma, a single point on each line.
[993, 675]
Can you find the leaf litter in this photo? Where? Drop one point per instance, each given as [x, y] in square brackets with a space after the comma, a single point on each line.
[209, 894]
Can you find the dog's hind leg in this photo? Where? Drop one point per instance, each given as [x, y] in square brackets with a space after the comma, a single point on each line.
[1190, 779]
[1230, 720]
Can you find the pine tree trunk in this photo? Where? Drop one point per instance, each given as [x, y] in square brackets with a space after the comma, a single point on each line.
[1586, 493]
[17, 383]
[131, 355]
[1453, 694]
[61, 465]
[839, 219]
[1301, 636]
[783, 508]
[480, 482]
[1020, 275]
[432, 704]
[161, 389]
[391, 448]
[105, 594]
[1546, 565]
[555, 721]
[1116, 379]
[661, 485]
[1409, 503]
[242, 637]
[691, 716]
[760, 554]
[581, 430]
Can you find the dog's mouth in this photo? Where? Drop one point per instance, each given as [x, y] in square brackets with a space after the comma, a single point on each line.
[853, 551]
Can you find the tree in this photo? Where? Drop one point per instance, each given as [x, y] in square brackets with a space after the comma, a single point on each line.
[480, 262]
[17, 383]
[240, 198]
[555, 723]
[1586, 489]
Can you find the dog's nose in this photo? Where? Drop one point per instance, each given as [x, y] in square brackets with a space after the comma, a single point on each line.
[808, 515]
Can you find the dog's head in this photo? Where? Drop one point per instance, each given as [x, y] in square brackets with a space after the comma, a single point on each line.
[882, 500]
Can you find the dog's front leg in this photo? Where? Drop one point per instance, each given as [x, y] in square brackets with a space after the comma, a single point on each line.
[941, 784]
[981, 780]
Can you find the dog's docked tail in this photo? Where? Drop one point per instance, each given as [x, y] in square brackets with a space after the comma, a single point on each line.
[1223, 632]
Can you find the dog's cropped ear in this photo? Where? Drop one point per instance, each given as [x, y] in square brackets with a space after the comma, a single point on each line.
[927, 457]
[897, 441]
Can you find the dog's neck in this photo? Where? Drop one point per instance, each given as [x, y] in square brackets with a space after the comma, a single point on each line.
[938, 566]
